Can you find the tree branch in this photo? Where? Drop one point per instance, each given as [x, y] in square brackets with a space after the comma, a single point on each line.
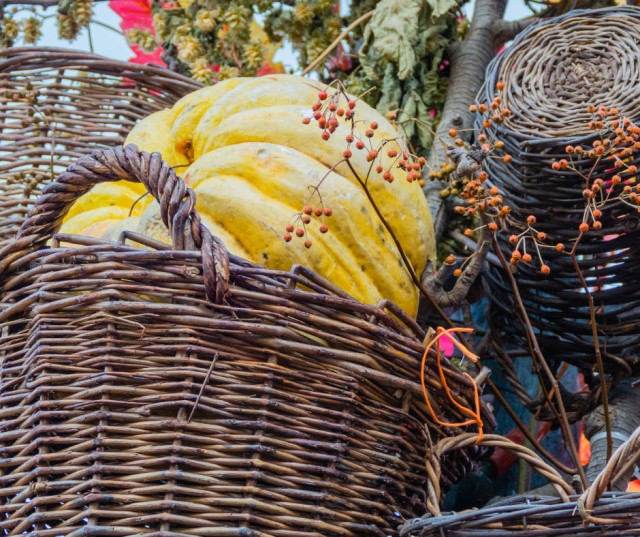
[467, 74]
[506, 30]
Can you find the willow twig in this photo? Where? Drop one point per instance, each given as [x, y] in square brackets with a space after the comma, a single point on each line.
[596, 346]
[337, 41]
[403, 255]
[537, 353]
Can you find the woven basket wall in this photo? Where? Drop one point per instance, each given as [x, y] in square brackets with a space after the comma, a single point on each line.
[594, 513]
[552, 72]
[170, 392]
[57, 105]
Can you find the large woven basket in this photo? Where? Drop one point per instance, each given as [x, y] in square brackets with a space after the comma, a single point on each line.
[57, 105]
[181, 391]
[595, 513]
[553, 71]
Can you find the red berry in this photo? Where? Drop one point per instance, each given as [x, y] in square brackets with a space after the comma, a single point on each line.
[347, 153]
[369, 133]
[333, 107]
[340, 112]
[392, 153]
[379, 169]
[300, 232]
[531, 219]
[526, 258]
[328, 212]
[559, 247]
[349, 138]
[457, 273]
[352, 104]
[322, 95]
[359, 144]
[287, 237]
[323, 228]
[513, 239]
[583, 227]
[545, 269]
[306, 219]
[289, 228]
[326, 135]
[387, 177]
[307, 209]
[374, 125]
[306, 120]
[307, 243]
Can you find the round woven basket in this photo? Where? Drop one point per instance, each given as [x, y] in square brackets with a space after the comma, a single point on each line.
[595, 513]
[181, 391]
[57, 105]
[552, 72]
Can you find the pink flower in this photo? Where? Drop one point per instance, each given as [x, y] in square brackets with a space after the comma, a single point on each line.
[137, 14]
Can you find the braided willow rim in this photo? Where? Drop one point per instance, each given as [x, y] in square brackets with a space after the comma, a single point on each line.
[57, 105]
[552, 72]
[131, 404]
[595, 513]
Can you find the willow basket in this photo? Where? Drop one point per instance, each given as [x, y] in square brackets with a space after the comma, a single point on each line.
[57, 105]
[182, 391]
[595, 513]
[552, 72]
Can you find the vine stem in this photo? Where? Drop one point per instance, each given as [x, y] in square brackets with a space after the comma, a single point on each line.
[596, 346]
[404, 257]
[526, 432]
[535, 347]
[337, 41]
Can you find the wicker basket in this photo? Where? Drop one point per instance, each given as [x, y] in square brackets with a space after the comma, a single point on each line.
[552, 72]
[183, 391]
[595, 513]
[57, 105]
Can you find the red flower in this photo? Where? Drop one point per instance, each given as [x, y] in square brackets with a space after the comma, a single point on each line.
[137, 14]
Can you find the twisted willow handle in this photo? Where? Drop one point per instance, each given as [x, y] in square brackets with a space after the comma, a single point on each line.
[623, 458]
[177, 208]
[493, 440]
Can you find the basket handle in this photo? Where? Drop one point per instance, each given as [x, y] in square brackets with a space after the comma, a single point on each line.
[626, 455]
[471, 439]
[177, 208]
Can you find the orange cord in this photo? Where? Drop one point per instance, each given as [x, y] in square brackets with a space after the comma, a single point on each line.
[476, 418]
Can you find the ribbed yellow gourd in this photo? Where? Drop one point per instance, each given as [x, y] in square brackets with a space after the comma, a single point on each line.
[242, 147]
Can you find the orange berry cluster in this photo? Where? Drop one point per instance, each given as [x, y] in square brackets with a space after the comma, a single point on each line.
[537, 240]
[618, 138]
[303, 219]
[327, 111]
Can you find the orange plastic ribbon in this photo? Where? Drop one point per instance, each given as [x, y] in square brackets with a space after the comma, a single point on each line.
[475, 416]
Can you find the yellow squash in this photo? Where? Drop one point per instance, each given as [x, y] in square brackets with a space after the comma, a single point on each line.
[242, 147]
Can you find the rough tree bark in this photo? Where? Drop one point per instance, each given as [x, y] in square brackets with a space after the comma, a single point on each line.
[624, 412]
[488, 32]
